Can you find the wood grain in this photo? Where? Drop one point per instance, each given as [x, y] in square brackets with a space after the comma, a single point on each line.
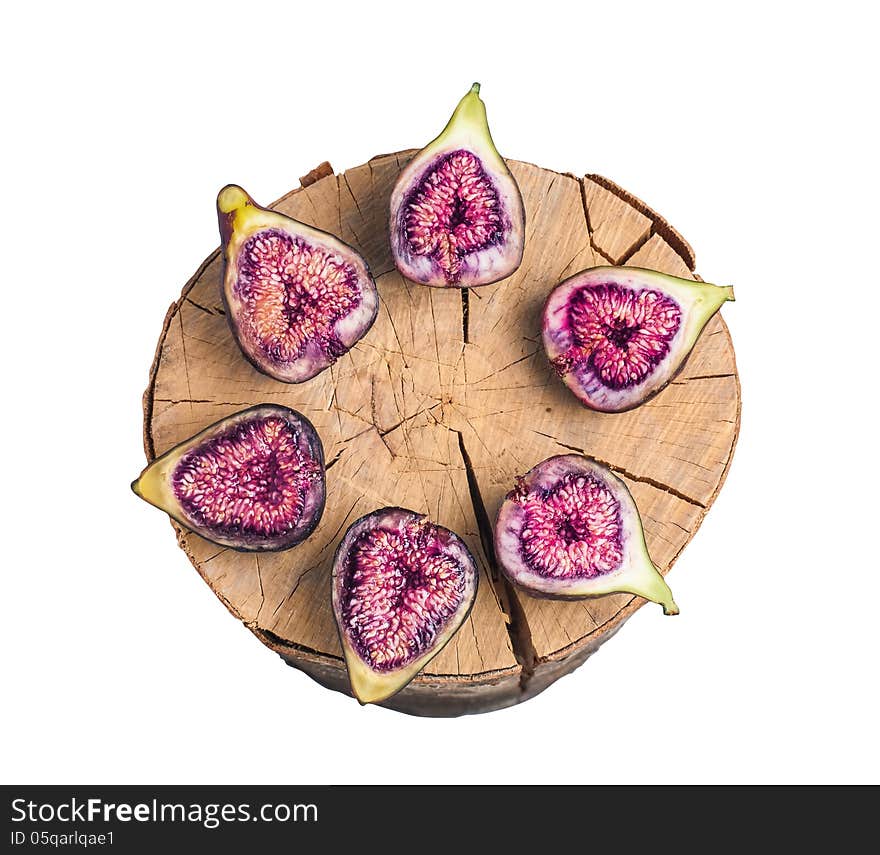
[437, 409]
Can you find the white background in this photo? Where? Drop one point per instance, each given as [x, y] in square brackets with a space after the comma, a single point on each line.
[749, 126]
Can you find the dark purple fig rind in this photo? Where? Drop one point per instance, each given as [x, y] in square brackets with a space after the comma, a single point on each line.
[156, 483]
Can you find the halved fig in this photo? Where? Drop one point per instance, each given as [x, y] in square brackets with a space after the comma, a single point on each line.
[617, 335]
[570, 529]
[253, 481]
[401, 586]
[457, 216]
[296, 298]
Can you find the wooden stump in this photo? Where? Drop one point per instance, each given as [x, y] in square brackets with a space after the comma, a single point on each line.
[445, 400]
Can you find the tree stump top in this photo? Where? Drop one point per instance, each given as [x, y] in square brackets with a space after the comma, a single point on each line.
[445, 400]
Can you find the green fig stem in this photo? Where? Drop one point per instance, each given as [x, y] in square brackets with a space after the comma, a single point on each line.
[231, 198]
[670, 608]
[728, 293]
[663, 595]
[469, 113]
[655, 589]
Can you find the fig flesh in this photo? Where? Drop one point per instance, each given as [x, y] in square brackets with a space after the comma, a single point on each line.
[570, 529]
[402, 586]
[253, 481]
[296, 298]
[457, 216]
[617, 335]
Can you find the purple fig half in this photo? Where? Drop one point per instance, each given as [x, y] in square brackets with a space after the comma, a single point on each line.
[402, 586]
[457, 216]
[296, 298]
[617, 335]
[570, 529]
[253, 481]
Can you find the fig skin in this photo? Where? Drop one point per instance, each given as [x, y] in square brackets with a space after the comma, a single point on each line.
[696, 302]
[498, 252]
[624, 564]
[370, 684]
[239, 219]
[155, 483]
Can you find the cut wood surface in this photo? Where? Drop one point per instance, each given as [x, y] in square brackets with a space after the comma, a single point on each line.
[445, 400]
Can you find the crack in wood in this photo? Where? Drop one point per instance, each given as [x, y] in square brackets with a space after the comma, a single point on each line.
[185, 361]
[328, 466]
[606, 258]
[375, 418]
[276, 641]
[583, 188]
[396, 337]
[658, 225]
[262, 592]
[620, 470]
[640, 242]
[505, 367]
[436, 339]
[476, 644]
[570, 261]
[204, 401]
[350, 193]
[290, 593]
[653, 482]
[465, 315]
[589, 613]
[339, 528]
[532, 386]
[517, 625]
[205, 309]
[385, 431]
[683, 380]
[533, 217]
